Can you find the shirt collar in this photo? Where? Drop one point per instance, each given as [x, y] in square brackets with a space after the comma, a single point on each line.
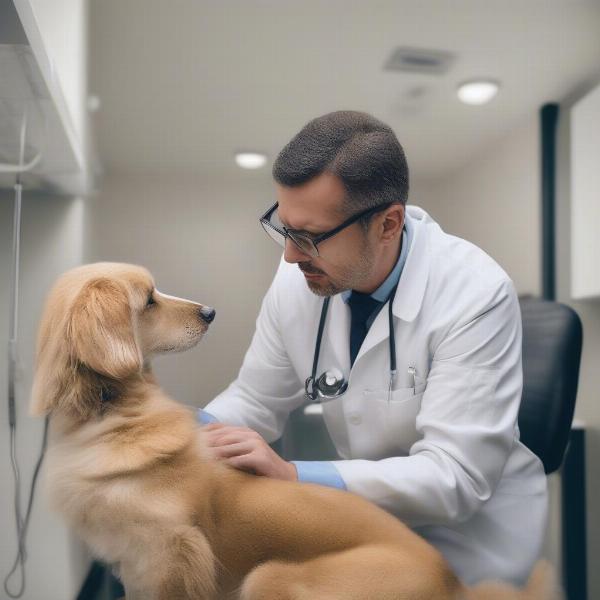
[382, 293]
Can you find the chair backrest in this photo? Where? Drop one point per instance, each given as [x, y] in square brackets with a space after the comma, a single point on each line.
[552, 339]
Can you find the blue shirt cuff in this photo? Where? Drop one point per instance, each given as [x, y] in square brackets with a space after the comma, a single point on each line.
[321, 472]
[205, 417]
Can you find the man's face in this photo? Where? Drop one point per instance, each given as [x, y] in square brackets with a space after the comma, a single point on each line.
[346, 259]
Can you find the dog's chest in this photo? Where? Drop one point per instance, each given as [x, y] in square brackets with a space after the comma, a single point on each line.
[116, 516]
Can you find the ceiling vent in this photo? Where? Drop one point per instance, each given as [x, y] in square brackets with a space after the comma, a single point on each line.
[420, 60]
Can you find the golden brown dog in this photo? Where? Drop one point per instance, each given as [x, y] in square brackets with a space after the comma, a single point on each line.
[128, 470]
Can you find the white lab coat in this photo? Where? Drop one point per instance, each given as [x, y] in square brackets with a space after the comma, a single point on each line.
[444, 456]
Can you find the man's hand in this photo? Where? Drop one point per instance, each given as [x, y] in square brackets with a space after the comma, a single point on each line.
[245, 449]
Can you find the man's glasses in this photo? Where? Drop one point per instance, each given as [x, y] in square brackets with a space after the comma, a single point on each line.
[307, 244]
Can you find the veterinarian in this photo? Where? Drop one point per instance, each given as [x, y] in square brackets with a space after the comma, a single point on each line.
[411, 340]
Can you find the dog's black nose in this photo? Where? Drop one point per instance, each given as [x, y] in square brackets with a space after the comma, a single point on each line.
[208, 314]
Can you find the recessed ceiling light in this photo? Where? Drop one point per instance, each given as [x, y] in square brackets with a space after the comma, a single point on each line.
[250, 160]
[478, 91]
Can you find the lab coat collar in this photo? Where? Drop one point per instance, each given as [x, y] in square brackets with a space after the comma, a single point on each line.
[412, 284]
[407, 303]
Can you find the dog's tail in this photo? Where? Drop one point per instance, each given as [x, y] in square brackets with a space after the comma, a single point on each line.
[542, 585]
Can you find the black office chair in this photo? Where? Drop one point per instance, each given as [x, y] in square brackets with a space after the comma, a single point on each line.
[552, 340]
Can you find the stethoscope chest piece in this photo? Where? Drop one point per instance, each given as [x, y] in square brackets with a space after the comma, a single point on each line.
[330, 385]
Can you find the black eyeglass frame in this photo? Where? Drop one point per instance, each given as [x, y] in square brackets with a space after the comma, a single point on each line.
[265, 221]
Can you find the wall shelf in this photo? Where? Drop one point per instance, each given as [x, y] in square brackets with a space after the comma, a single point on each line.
[29, 83]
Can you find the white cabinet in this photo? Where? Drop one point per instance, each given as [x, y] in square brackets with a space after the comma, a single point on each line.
[43, 79]
[585, 197]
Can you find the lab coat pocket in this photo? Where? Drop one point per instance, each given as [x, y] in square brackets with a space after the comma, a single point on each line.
[396, 414]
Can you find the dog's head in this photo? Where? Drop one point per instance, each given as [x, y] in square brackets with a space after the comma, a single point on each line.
[101, 322]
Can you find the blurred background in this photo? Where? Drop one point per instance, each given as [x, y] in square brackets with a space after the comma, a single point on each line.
[137, 109]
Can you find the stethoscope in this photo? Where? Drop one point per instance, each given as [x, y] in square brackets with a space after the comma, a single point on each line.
[331, 384]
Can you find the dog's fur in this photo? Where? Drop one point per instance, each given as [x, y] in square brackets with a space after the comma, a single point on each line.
[129, 471]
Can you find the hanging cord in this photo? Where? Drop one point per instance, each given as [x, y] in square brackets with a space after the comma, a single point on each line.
[21, 524]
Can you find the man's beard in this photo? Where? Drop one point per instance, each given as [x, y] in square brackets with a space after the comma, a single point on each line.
[349, 279]
[326, 289]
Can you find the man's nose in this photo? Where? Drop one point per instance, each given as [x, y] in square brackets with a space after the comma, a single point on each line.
[293, 254]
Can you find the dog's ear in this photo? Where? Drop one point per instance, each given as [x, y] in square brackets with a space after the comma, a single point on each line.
[60, 382]
[80, 344]
[53, 377]
[101, 330]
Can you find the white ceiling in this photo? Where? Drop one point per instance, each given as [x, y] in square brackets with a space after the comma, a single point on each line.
[185, 83]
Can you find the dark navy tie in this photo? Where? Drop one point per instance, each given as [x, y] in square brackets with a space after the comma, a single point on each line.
[361, 308]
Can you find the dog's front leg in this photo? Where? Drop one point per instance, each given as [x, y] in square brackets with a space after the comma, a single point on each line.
[178, 565]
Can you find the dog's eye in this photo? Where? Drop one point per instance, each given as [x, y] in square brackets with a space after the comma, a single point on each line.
[150, 301]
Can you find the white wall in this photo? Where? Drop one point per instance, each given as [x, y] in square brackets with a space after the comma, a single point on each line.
[494, 202]
[51, 243]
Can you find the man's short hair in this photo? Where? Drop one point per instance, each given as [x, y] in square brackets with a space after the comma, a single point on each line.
[361, 150]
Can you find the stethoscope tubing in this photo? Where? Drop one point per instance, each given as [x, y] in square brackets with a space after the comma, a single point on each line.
[316, 397]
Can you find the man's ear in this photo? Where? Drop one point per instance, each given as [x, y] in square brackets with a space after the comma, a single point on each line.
[392, 222]
[101, 330]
